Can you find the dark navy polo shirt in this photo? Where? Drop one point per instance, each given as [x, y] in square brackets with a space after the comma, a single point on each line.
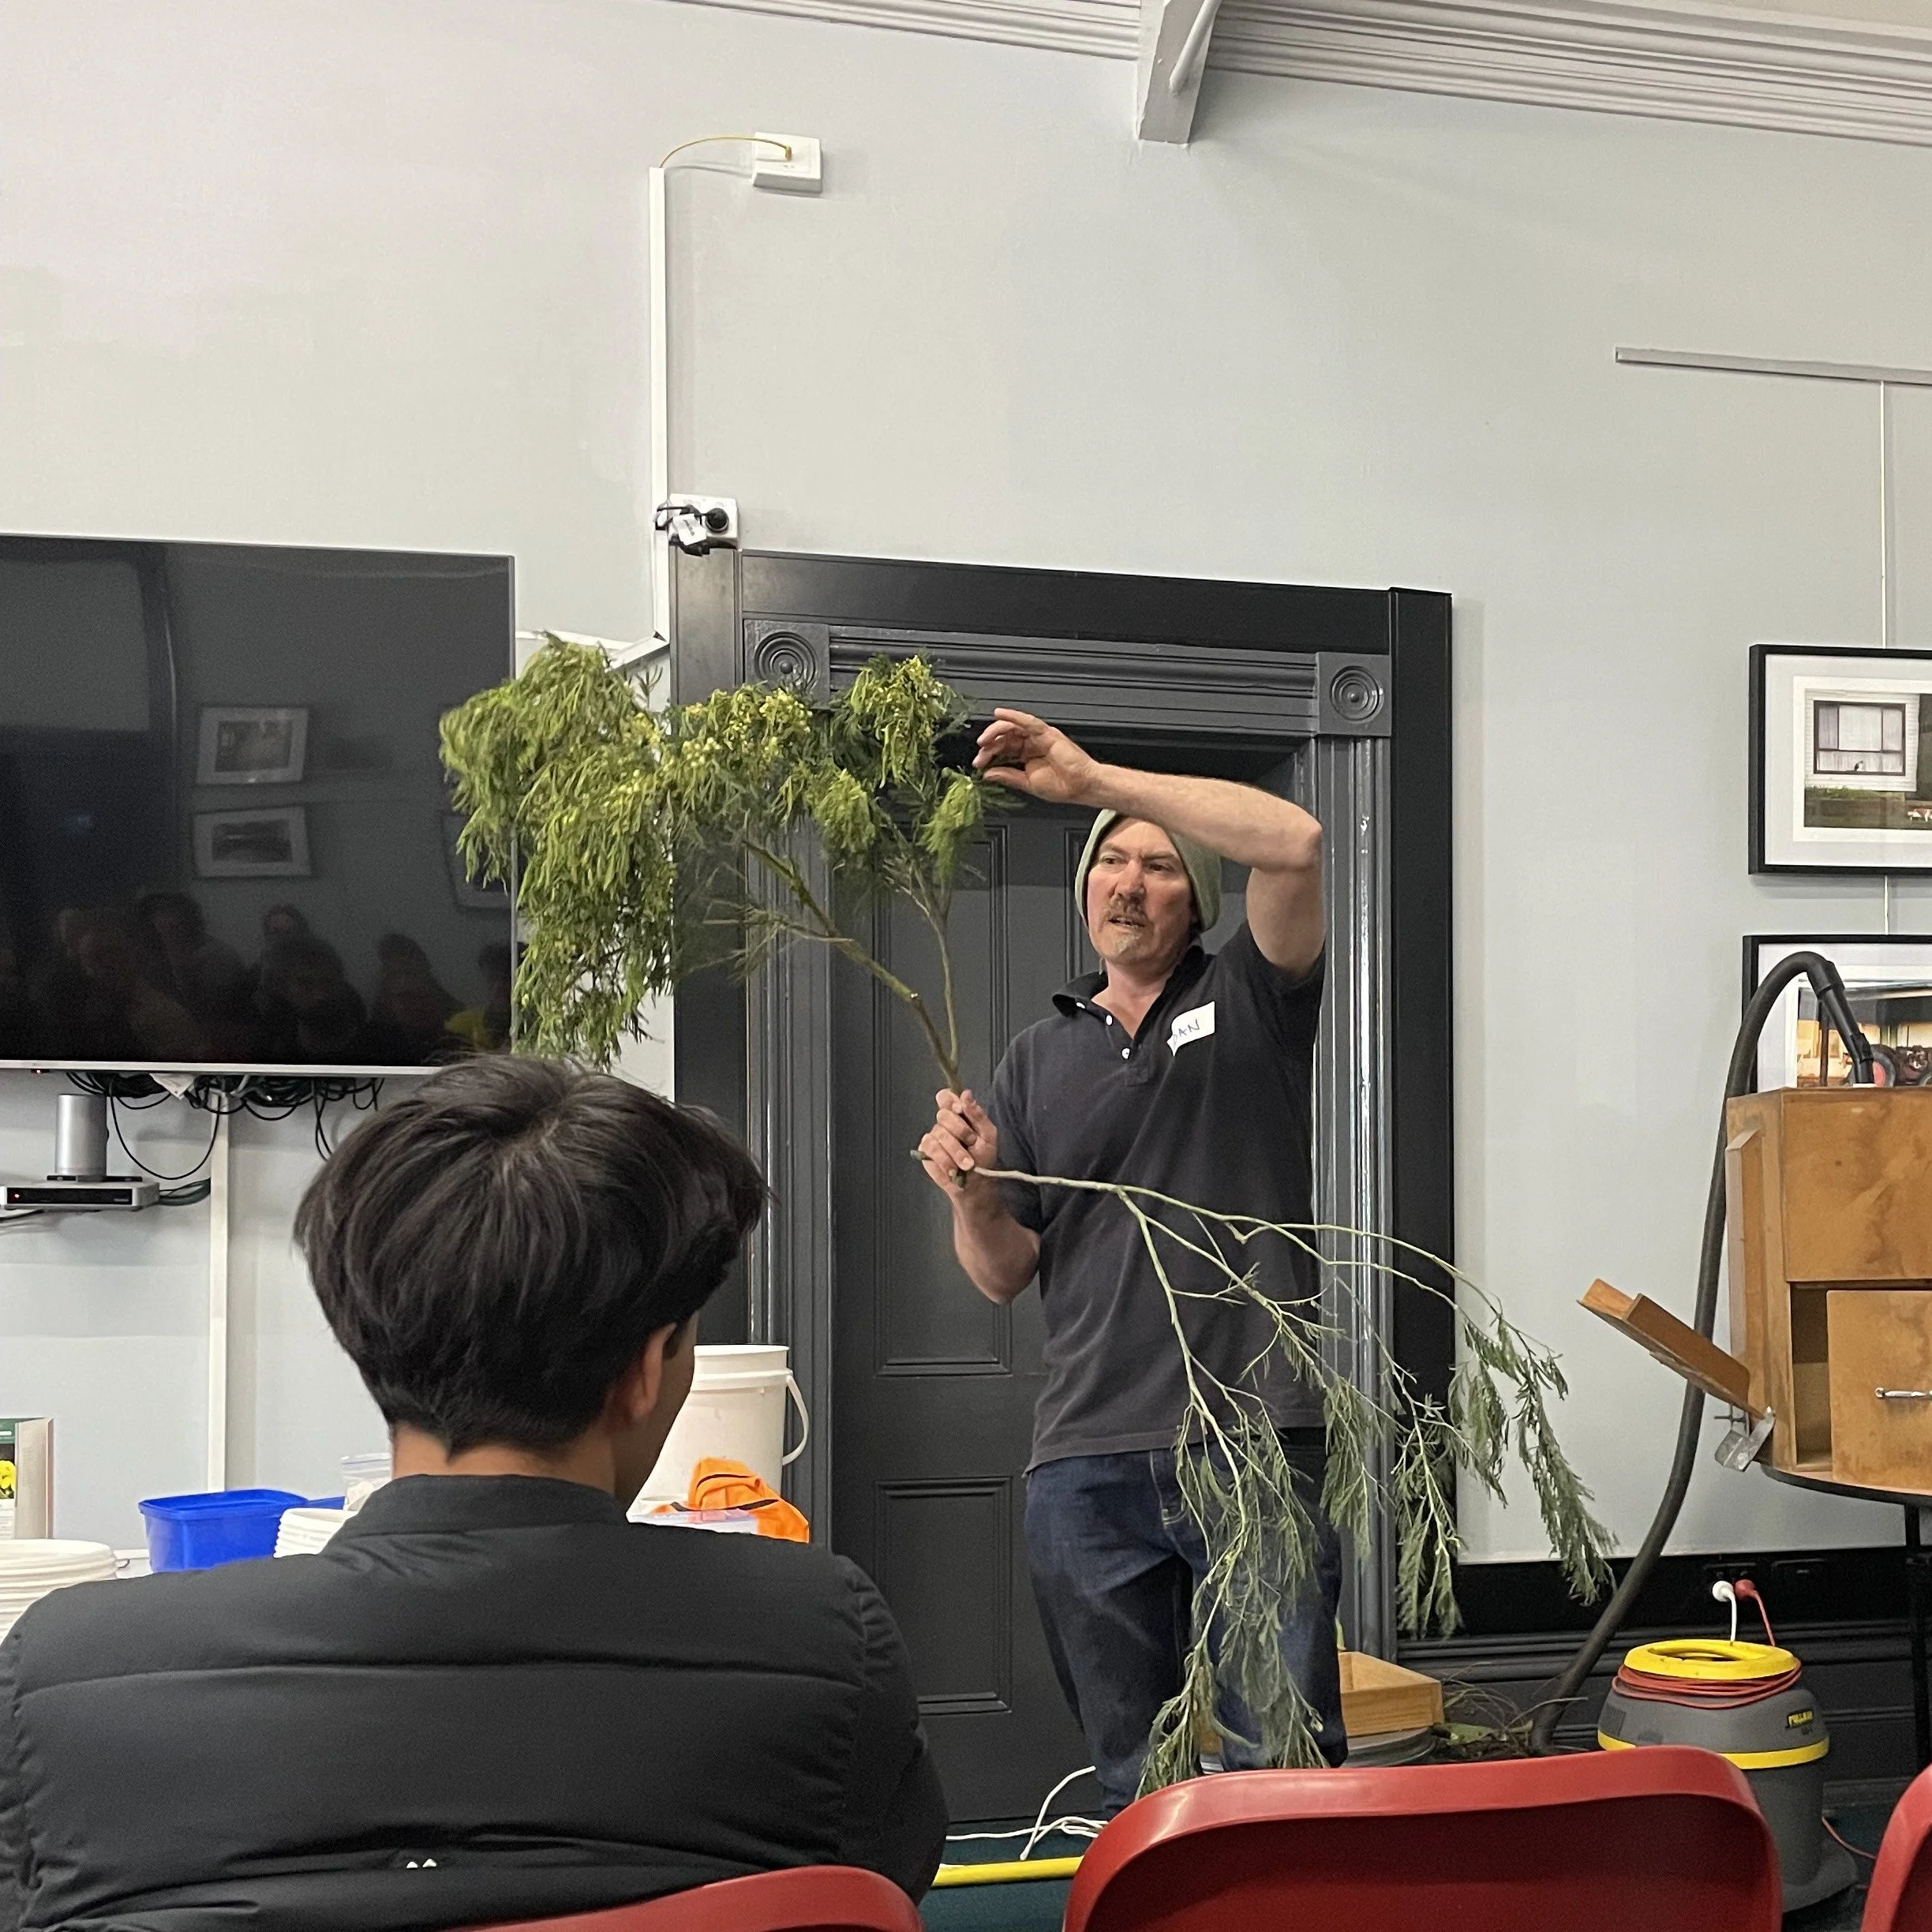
[1210, 1103]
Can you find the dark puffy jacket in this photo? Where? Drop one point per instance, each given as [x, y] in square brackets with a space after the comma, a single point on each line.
[489, 1698]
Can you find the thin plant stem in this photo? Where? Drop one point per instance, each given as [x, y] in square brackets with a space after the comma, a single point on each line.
[824, 930]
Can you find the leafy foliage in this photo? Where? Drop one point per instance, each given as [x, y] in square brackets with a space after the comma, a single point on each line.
[652, 845]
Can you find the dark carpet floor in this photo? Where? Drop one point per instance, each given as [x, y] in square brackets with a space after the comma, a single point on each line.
[1861, 1826]
[1025, 1905]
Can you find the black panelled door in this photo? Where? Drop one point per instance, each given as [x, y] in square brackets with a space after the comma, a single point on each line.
[935, 1387]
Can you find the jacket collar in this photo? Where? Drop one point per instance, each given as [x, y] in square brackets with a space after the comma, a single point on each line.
[456, 1502]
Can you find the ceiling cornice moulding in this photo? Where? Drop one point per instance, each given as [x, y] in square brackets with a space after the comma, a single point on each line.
[1110, 28]
[1742, 66]
[1747, 66]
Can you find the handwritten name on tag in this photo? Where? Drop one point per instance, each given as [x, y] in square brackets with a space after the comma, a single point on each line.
[1191, 1026]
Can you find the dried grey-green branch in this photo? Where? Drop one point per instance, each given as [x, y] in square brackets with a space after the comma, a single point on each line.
[1256, 1519]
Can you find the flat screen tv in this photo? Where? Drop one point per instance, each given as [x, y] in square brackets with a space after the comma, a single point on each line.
[225, 838]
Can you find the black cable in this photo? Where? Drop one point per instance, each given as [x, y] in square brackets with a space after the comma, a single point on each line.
[1834, 1010]
[265, 1097]
[112, 1086]
[113, 1113]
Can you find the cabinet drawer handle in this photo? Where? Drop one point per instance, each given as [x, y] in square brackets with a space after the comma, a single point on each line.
[1886, 1395]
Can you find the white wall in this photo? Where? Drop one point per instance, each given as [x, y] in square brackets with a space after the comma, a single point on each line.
[371, 272]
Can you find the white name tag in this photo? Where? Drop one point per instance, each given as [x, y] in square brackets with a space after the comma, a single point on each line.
[1191, 1026]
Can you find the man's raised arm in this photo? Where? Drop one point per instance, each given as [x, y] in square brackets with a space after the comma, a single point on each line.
[1279, 843]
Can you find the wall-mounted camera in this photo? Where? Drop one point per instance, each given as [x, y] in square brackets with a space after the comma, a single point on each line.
[698, 525]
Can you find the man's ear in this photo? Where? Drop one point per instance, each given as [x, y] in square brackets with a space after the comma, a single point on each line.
[635, 1393]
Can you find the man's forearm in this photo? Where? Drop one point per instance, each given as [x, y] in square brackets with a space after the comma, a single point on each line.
[999, 1256]
[1252, 827]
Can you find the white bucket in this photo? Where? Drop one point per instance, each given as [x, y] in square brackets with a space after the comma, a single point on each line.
[736, 1408]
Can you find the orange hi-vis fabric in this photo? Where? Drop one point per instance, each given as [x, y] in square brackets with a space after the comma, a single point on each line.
[718, 1483]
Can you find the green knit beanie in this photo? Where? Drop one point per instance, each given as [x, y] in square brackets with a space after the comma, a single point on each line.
[1204, 869]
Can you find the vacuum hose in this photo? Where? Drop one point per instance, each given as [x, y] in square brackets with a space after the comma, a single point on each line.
[1834, 1013]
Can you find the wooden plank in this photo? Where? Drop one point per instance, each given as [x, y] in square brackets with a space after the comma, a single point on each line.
[1744, 1242]
[1378, 1696]
[1753, 1156]
[1880, 1338]
[1676, 1344]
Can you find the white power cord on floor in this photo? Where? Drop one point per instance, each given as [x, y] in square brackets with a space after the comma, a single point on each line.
[1042, 1827]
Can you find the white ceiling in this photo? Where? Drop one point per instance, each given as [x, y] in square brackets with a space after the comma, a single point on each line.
[1856, 68]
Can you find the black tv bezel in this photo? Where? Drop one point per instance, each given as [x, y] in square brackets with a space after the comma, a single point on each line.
[314, 1070]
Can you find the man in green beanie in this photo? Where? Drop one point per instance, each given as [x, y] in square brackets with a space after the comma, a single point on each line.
[1186, 1072]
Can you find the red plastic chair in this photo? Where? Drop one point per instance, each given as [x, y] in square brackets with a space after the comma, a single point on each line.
[1900, 1898]
[811, 1898]
[1665, 1839]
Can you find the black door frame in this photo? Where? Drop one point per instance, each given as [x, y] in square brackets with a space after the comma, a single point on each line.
[1361, 678]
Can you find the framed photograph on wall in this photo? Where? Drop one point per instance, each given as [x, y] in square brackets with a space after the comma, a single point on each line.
[270, 843]
[252, 744]
[1888, 980]
[1840, 759]
[473, 895]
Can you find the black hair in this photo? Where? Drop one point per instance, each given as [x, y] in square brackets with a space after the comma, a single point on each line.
[493, 1251]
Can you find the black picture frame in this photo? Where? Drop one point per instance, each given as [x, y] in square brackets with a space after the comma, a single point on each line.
[212, 769]
[291, 821]
[1761, 861]
[1759, 948]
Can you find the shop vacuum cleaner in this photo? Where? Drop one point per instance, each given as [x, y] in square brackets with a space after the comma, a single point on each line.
[1747, 1702]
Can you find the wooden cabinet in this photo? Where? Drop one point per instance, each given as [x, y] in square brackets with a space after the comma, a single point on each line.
[1829, 1220]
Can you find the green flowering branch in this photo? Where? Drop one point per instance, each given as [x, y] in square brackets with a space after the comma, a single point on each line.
[651, 845]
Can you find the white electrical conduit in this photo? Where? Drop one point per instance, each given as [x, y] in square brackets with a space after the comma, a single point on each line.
[660, 253]
[660, 410]
[217, 1340]
[1885, 557]
[1193, 49]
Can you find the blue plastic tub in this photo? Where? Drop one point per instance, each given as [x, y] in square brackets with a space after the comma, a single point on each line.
[216, 1526]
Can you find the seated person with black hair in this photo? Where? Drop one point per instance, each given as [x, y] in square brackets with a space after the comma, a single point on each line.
[491, 1697]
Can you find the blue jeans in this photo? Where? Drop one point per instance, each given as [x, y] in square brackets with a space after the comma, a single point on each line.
[1115, 1559]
